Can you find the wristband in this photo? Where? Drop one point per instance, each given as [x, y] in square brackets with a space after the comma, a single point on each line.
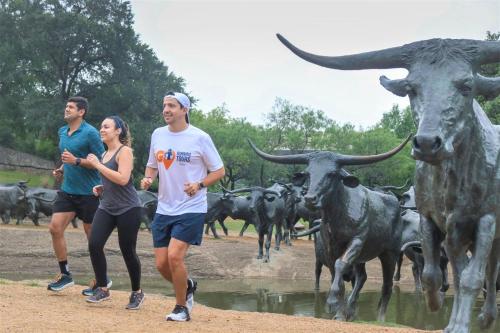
[201, 185]
[78, 161]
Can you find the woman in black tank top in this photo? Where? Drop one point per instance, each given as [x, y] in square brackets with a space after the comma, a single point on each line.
[119, 207]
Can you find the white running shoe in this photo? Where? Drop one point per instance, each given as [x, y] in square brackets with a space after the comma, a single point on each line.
[180, 313]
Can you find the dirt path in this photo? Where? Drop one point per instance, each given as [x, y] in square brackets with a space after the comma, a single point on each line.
[26, 306]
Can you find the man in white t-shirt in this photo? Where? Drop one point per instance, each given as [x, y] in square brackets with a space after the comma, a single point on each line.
[186, 162]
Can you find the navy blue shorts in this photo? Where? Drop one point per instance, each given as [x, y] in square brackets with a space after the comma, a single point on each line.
[186, 227]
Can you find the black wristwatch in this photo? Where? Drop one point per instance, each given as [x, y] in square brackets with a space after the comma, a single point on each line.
[78, 161]
[201, 185]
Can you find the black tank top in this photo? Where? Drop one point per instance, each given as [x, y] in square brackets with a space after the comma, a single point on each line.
[117, 199]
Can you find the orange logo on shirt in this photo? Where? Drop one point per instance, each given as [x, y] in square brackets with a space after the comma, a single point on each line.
[166, 157]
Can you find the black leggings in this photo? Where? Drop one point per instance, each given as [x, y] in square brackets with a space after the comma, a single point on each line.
[128, 227]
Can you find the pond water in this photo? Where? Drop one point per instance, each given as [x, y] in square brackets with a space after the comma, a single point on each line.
[296, 297]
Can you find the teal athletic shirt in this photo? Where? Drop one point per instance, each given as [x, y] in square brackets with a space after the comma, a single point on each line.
[85, 140]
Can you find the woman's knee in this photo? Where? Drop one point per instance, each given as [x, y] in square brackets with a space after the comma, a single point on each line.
[95, 245]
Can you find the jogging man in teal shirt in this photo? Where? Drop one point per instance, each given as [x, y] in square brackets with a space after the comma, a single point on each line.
[76, 140]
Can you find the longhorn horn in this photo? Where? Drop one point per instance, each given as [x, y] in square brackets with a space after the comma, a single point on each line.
[395, 188]
[40, 198]
[489, 52]
[288, 187]
[410, 244]
[225, 190]
[309, 231]
[386, 58]
[273, 192]
[241, 190]
[287, 159]
[488, 87]
[358, 160]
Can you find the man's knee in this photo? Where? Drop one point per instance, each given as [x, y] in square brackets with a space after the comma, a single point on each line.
[56, 229]
[175, 258]
[161, 264]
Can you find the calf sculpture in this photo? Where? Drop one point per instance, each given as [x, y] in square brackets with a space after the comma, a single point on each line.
[358, 224]
[457, 181]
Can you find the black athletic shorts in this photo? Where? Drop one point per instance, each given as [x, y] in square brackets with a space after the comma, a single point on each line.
[84, 206]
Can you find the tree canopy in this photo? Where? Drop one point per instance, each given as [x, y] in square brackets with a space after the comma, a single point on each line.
[53, 49]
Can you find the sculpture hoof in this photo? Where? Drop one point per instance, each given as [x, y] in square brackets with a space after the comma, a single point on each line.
[485, 320]
[455, 329]
[339, 317]
[434, 301]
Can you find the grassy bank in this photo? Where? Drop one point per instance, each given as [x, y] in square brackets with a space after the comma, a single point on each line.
[11, 177]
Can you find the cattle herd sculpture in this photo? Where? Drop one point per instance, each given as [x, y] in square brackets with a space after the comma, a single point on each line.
[457, 180]
[451, 214]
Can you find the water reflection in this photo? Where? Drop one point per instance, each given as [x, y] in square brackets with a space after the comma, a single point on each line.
[405, 308]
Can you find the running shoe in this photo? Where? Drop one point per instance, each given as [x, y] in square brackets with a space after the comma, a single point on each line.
[180, 313]
[135, 301]
[60, 282]
[93, 286]
[99, 296]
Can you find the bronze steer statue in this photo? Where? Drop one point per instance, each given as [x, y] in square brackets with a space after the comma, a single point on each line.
[358, 224]
[457, 148]
[291, 200]
[302, 212]
[215, 212]
[412, 246]
[11, 196]
[266, 209]
[322, 258]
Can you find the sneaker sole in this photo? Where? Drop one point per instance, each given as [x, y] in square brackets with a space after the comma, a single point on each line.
[98, 301]
[61, 288]
[170, 319]
[138, 306]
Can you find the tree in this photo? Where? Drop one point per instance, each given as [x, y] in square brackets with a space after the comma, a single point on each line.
[400, 122]
[58, 48]
[229, 136]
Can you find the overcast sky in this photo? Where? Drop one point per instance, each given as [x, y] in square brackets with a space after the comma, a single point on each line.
[227, 51]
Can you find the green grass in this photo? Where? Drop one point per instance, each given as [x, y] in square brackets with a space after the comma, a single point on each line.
[9, 177]
[33, 284]
[234, 225]
[378, 323]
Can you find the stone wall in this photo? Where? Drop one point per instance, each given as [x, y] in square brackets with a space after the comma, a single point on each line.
[14, 160]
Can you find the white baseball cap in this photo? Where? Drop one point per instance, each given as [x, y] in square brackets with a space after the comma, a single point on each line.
[182, 99]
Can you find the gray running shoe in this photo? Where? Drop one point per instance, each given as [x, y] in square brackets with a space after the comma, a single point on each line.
[61, 282]
[93, 286]
[180, 313]
[192, 284]
[136, 299]
[99, 296]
